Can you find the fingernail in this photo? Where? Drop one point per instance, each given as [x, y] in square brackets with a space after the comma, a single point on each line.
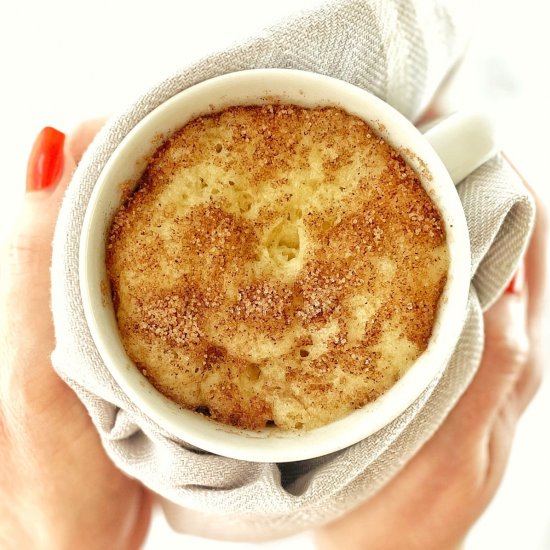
[518, 280]
[46, 160]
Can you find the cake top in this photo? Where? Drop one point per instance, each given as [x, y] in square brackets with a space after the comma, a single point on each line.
[276, 264]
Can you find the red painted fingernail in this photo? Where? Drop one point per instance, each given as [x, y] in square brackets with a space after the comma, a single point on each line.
[46, 160]
[518, 280]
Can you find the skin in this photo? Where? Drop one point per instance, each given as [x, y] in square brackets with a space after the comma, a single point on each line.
[442, 491]
[58, 489]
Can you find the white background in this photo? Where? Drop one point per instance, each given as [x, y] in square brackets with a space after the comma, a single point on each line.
[63, 61]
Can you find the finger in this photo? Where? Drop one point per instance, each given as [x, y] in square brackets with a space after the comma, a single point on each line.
[536, 267]
[27, 252]
[536, 257]
[46, 160]
[43, 199]
[536, 263]
[82, 136]
[504, 359]
[27, 328]
[507, 344]
[27, 259]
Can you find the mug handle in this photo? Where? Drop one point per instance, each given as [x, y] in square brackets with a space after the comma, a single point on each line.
[463, 141]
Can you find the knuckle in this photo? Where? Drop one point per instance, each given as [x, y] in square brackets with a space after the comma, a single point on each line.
[23, 252]
[512, 347]
[510, 353]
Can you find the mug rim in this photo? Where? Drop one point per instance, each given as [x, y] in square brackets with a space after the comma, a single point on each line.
[270, 445]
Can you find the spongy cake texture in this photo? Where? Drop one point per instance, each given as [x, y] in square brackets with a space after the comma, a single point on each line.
[276, 265]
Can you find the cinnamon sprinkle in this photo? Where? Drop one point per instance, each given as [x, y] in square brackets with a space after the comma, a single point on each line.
[276, 265]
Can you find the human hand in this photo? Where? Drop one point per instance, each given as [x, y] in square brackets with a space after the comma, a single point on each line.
[58, 489]
[432, 503]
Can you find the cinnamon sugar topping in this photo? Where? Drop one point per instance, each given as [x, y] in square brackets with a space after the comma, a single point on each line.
[276, 265]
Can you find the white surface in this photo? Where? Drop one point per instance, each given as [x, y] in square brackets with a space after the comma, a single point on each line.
[64, 61]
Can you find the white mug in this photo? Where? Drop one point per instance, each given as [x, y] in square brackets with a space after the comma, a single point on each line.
[446, 153]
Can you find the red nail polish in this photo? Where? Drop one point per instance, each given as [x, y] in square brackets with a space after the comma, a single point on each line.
[46, 160]
[518, 280]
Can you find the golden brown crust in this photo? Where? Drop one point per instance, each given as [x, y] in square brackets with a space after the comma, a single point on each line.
[277, 264]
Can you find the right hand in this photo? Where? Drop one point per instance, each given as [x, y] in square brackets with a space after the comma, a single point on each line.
[432, 503]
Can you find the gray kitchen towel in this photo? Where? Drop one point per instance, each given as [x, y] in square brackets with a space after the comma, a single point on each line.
[400, 50]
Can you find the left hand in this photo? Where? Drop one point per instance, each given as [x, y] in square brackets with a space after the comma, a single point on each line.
[58, 488]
